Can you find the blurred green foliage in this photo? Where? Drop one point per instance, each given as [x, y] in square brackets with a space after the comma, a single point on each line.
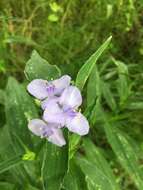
[66, 33]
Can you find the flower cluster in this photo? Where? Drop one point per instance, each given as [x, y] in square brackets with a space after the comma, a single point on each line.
[60, 102]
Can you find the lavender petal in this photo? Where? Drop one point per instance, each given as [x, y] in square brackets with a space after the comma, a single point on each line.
[78, 124]
[39, 128]
[54, 114]
[37, 88]
[45, 103]
[71, 97]
[57, 137]
[61, 83]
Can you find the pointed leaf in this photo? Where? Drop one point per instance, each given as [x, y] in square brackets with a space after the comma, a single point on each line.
[86, 69]
[125, 152]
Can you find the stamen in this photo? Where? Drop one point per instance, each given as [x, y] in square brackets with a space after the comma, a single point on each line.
[46, 132]
[70, 112]
[50, 88]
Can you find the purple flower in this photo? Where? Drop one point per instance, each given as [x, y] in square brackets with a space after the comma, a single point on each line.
[60, 102]
[63, 112]
[49, 131]
[42, 89]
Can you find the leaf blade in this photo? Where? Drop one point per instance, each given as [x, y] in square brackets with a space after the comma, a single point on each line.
[37, 67]
[86, 69]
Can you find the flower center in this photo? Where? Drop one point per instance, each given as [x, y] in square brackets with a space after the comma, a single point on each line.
[50, 88]
[70, 112]
[46, 132]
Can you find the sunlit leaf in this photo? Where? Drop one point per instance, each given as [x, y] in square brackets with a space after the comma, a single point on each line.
[37, 67]
[53, 18]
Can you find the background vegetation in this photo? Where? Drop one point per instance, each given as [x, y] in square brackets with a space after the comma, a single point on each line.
[66, 33]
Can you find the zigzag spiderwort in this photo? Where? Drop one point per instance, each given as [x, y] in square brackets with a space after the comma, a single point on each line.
[60, 102]
[47, 130]
[42, 89]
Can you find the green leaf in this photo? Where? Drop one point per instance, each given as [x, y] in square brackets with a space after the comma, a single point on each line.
[108, 96]
[38, 67]
[11, 162]
[2, 96]
[7, 186]
[94, 89]
[19, 108]
[95, 113]
[54, 166]
[96, 178]
[74, 140]
[29, 187]
[20, 40]
[4, 140]
[55, 7]
[86, 69]
[125, 152]
[95, 156]
[74, 179]
[53, 18]
[123, 87]
[135, 105]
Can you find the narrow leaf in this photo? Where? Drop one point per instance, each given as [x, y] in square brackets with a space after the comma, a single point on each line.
[96, 178]
[11, 162]
[108, 96]
[94, 89]
[95, 156]
[125, 152]
[86, 69]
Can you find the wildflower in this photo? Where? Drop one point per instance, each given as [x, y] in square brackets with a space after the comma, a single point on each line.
[64, 111]
[42, 89]
[60, 103]
[50, 131]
